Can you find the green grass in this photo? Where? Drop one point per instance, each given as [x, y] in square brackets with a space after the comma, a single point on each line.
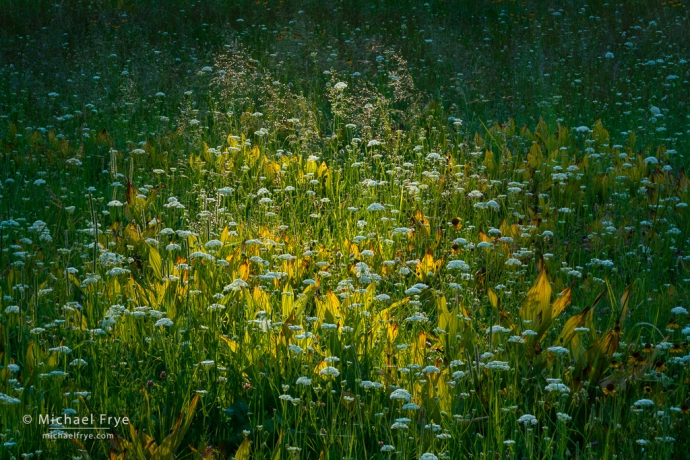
[290, 236]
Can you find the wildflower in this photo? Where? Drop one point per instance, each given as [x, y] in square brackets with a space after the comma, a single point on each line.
[636, 359]
[303, 381]
[376, 207]
[213, 244]
[498, 365]
[401, 394]
[609, 389]
[295, 348]
[368, 385]
[679, 311]
[428, 456]
[329, 371]
[401, 230]
[458, 265]
[201, 255]
[558, 350]
[117, 271]
[644, 403]
[417, 317]
[563, 417]
[660, 366]
[387, 448]
[61, 350]
[6, 399]
[497, 329]
[528, 419]
[166, 322]
[431, 370]
[236, 285]
[559, 387]
[207, 364]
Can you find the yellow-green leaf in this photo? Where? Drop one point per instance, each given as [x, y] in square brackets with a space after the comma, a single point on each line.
[493, 298]
[276, 452]
[570, 338]
[33, 356]
[156, 262]
[538, 299]
[287, 302]
[167, 448]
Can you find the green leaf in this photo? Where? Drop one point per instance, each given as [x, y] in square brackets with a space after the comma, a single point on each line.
[493, 298]
[174, 439]
[136, 444]
[552, 312]
[156, 262]
[301, 303]
[444, 316]
[537, 305]
[243, 451]
[287, 302]
[33, 356]
[625, 301]
[570, 338]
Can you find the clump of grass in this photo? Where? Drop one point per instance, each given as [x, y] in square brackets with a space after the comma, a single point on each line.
[319, 245]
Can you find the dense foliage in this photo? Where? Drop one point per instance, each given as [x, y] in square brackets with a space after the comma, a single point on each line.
[345, 229]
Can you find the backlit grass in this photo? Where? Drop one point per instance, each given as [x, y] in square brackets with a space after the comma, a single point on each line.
[345, 230]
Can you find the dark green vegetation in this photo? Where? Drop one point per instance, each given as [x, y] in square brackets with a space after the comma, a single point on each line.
[345, 229]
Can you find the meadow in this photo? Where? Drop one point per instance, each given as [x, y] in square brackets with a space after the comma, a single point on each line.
[345, 230]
